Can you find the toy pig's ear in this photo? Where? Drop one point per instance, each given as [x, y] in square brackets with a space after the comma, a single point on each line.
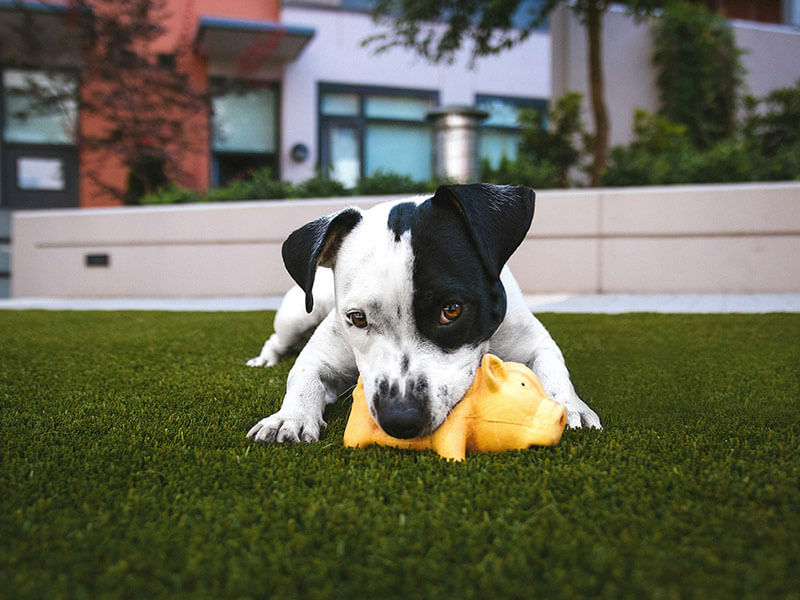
[497, 216]
[494, 371]
[316, 244]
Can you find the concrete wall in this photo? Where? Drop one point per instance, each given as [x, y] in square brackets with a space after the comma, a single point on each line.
[770, 59]
[718, 238]
[335, 55]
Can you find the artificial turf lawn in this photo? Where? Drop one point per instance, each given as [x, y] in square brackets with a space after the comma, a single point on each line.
[124, 471]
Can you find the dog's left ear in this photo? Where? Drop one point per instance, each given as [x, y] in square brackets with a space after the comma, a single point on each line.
[316, 244]
[497, 216]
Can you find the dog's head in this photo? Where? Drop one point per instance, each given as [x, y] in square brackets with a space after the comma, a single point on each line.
[418, 292]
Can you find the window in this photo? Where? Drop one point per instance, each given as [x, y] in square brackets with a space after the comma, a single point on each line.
[500, 132]
[39, 107]
[364, 131]
[38, 146]
[45, 174]
[245, 131]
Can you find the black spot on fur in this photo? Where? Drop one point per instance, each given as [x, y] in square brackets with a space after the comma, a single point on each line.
[400, 219]
[404, 365]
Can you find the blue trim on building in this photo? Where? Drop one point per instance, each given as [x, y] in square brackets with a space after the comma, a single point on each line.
[40, 7]
[255, 25]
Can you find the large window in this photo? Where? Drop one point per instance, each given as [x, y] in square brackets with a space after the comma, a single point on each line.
[364, 131]
[245, 130]
[500, 132]
[38, 153]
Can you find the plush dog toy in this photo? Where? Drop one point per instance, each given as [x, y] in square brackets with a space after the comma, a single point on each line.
[505, 408]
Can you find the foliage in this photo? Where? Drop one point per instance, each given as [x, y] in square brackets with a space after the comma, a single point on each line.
[261, 185]
[437, 29]
[654, 155]
[141, 110]
[136, 112]
[546, 155]
[172, 194]
[383, 182]
[319, 187]
[777, 126]
[767, 148]
[699, 71]
[144, 176]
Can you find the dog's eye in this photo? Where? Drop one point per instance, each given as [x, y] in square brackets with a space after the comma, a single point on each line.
[450, 312]
[357, 318]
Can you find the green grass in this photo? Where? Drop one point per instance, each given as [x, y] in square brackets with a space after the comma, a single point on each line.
[124, 471]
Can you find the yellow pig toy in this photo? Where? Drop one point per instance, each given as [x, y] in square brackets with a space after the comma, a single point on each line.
[505, 408]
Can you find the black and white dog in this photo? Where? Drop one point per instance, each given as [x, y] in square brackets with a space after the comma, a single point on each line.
[415, 293]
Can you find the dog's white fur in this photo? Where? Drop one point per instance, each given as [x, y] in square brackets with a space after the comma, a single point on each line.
[373, 270]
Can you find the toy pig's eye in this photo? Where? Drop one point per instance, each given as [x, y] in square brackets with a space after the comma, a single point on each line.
[357, 318]
[450, 312]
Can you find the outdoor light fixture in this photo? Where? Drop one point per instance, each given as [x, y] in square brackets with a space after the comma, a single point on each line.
[299, 153]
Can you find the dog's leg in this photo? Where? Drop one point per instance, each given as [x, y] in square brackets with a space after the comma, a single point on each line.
[293, 325]
[522, 338]
[325, 368]
[548, 364]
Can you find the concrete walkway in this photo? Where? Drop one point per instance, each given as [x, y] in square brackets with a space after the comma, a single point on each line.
[562, 303]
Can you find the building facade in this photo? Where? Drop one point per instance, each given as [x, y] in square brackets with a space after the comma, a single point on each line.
[768, 32]
[288, 86]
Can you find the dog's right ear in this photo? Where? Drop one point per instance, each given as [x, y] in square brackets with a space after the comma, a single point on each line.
[316, 244]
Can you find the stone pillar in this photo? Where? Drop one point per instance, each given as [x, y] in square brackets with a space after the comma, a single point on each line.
[456, 141]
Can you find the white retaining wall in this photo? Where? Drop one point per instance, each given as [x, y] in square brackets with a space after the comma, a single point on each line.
[690, 239]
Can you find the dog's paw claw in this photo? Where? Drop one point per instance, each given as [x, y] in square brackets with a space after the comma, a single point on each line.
[261, 361]
[280, 430]
[579, 420]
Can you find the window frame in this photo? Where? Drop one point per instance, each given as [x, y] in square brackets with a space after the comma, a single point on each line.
[219, 86]
[522, 102]
[361, 121]
[14, 196]
[69, 72]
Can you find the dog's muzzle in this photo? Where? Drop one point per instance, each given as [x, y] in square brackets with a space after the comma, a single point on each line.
[405, 414]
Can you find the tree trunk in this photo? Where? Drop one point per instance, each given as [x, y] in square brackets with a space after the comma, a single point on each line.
[594, 32]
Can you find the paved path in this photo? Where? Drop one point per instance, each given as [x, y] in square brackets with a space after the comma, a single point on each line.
[564, 303]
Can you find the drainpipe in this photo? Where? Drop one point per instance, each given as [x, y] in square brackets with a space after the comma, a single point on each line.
[456, 141]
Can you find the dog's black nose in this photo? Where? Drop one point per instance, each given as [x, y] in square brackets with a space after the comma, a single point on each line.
[401, 421]
[403, 417]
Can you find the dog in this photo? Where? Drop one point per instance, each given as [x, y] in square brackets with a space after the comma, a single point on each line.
[409, 295]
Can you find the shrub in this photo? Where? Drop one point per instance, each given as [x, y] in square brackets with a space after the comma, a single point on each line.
[663, 153]
[520, 172]
[172, 194]
[654, 156]
[383, 182]
[265, 187]
[699, 71]
[319, 187]
[777, 126]
[547, 155]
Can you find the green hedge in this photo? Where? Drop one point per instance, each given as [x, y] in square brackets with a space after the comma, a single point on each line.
[261, 185]
[765, 147]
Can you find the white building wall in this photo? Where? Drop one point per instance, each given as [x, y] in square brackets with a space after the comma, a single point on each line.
[335, 55]
[670, 239]
[771, 59]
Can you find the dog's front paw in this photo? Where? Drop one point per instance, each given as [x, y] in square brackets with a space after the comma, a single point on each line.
[262, 361]
[279, 428]
[579, 414]
[270, 355]
[587, 418]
